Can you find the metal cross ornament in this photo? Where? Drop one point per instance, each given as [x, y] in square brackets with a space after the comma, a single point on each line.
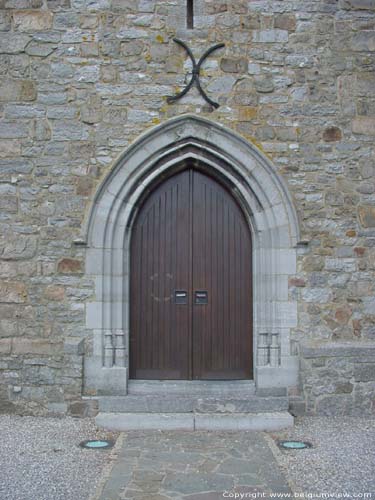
[195, 73]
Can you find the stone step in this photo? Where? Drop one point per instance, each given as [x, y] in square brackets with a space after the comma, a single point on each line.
[272, 421]
[192, 387]
[192, 404]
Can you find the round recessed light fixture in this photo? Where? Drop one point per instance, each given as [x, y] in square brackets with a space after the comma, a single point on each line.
[294, 445]
[97, 444]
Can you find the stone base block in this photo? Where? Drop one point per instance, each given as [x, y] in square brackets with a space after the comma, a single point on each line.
[104, 381]
[268, 376]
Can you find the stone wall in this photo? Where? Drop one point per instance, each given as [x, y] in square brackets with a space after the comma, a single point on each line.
[81, 79]
[338, 379]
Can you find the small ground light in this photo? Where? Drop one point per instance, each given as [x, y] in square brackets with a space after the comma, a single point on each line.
[97, 444]
[294, 445]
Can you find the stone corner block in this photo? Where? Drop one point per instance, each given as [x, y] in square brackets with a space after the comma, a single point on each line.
[94, 316]
[74, 345]
[68, 265]
[357, 4]
[5, 346]
[57, 409]
[366, 215]
[32, 20]
[364, 372]
[364, 125]
[26, 346]
[17, 90]
[12, 43]
[13, 292]
[334, 405]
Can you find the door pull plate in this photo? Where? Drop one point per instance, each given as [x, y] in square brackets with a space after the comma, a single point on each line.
[201, 297]
[180, 297]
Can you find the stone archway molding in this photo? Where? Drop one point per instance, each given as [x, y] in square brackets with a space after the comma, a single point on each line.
[265, 199]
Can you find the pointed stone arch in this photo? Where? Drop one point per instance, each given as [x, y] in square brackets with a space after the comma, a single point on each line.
[272, 218]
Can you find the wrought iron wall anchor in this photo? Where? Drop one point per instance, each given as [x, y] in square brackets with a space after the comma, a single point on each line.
[195, 73]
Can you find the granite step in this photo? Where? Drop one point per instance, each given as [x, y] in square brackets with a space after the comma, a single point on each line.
[272, 421]
[192, 404]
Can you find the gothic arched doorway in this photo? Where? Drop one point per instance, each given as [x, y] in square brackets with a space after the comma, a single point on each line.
[267, 208]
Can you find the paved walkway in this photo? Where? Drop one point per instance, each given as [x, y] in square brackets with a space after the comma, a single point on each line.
[193, 466]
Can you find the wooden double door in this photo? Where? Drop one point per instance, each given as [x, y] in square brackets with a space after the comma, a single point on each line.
[190, 283]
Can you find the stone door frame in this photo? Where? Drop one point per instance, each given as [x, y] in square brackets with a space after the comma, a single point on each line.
[267, 204]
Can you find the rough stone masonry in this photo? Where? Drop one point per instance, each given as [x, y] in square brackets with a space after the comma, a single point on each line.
[82, 79]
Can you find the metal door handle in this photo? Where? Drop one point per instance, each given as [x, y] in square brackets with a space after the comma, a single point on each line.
[201, 297]
[180, 297]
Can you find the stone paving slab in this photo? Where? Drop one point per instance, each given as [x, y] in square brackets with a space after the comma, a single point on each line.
[183, 465]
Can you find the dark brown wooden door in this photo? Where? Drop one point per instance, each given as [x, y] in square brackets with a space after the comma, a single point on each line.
[190, 283]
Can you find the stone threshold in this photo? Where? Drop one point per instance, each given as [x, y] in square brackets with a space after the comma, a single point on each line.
[191, 387]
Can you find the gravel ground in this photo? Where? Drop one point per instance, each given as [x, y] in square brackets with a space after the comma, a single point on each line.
[342, 458]
[40, 458]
